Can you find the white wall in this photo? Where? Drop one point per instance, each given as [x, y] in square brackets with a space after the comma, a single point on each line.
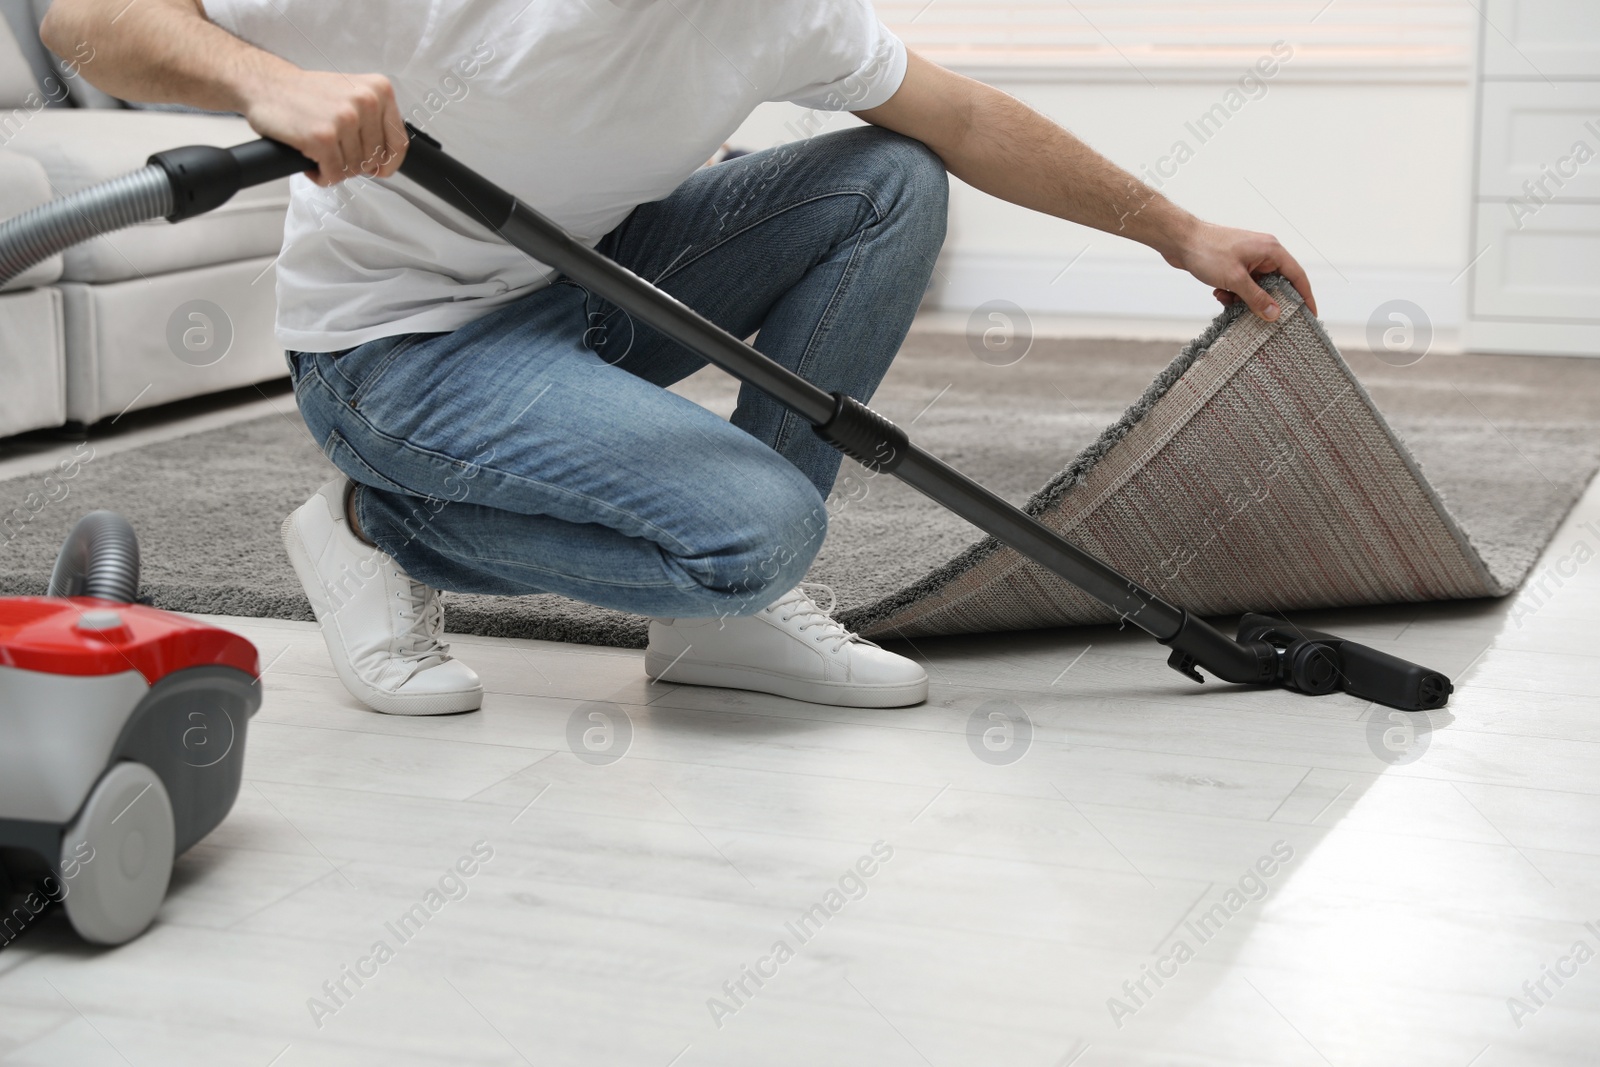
[1361, 173]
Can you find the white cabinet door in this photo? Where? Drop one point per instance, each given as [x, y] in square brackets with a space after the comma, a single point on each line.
[1543, 133]
[1540, 266]
[1541, 39]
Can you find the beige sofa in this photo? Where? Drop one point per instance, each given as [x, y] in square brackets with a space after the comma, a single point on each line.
[154, 313]
[32, 347]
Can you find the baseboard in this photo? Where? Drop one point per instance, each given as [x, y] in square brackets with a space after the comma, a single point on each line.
[1533, 338]
[1175, 331]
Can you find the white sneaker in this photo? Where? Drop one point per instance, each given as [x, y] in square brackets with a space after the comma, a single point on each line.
[383, 627]
[791, 648]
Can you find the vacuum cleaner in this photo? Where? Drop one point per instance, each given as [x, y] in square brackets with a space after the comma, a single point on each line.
[185, 182]
[122, 735]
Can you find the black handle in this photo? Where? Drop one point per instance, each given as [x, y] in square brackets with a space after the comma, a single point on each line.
[268, 160]
[204, 177]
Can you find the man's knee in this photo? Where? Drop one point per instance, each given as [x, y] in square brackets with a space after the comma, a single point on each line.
[779, 537]
[911, 173]
[922, 170]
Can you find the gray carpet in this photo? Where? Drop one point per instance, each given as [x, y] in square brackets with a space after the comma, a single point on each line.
[1508, 442]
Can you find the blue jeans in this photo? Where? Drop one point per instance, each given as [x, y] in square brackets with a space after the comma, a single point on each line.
[536, 449]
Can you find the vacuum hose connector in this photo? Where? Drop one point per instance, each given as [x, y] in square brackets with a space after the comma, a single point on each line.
[100, 558]
[36, 235]
[174, 185]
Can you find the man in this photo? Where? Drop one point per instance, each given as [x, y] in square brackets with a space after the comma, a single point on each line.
[503, 431]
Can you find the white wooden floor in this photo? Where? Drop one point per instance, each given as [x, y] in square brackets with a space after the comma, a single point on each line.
[1016, 899]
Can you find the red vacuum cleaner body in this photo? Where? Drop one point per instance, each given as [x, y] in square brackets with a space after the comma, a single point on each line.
[122, 734]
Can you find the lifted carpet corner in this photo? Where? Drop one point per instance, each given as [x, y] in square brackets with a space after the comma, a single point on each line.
[1254, 474]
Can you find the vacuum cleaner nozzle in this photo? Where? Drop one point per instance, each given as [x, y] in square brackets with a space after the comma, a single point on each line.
[1313, 662]
[1271, 651]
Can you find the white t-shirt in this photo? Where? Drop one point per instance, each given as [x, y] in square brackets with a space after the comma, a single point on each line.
[584, 109]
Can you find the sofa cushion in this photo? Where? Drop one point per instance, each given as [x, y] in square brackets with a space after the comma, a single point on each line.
[79, 148]
[129, 344]
[23, 185]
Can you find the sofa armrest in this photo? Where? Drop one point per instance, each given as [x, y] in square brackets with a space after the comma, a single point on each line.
[24, 185]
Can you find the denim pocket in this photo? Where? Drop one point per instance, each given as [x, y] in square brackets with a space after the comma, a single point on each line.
[364, 366]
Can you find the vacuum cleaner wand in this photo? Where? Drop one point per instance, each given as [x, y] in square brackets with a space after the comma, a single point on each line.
[1267, 651]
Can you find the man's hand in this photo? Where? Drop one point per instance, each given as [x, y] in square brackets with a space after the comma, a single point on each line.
[348, 124]
[1231, 260]
[166, 51]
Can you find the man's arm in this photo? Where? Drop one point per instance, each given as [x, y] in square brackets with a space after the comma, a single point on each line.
[167, 51]
[996, 143]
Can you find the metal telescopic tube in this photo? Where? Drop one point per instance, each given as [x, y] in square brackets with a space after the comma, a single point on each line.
[848, 425]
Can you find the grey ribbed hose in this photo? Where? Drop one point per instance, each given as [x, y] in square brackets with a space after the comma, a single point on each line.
[40, 233]
[100, 558]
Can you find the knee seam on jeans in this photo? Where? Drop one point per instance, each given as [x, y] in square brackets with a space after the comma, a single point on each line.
[825, 322]
[877, 213]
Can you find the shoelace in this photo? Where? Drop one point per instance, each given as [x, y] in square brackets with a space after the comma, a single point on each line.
[797, 603]
[419, 642]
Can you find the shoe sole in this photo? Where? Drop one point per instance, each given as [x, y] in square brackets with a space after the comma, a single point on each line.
[838, 694]
[376, 699]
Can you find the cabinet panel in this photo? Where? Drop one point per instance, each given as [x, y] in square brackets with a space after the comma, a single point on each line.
[1541, 39]
[1548, 134]
[1544, 265]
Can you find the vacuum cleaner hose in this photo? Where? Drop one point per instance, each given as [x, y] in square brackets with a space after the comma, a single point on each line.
[100, 558]
[36, 235]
